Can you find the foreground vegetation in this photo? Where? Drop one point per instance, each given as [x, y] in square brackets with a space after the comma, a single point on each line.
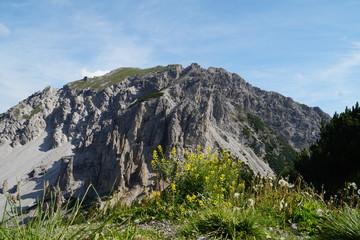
[204, 196]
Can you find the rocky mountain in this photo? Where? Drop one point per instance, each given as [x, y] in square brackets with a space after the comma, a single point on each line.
[102, 130]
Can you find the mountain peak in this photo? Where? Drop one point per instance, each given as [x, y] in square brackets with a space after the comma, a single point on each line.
[109, 125]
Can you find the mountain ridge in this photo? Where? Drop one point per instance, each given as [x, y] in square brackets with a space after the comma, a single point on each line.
[110, 130]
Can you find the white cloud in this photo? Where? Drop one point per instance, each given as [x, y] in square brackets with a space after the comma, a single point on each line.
[4, 30]
[84, 72]
[339, 71]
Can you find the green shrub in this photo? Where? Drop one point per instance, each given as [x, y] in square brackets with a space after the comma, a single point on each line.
[257, 123]
[215, 177]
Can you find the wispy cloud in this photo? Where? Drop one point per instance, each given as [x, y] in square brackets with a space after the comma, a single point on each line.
[332, 83]
[109, 45]
[4, 30]
[85, 44]
[338, 72]
[329, 86]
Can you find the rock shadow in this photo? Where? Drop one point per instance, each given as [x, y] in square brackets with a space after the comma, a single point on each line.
[46, 145]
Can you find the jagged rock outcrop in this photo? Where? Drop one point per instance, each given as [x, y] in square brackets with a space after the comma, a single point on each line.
[109, 126]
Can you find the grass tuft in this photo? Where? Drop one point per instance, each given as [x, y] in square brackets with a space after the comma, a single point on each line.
[343, 225]
[225, 223]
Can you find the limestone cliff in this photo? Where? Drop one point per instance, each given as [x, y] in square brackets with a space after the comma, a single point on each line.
[103, 130]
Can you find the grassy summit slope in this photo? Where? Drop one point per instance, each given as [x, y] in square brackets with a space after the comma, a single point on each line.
[112, 78]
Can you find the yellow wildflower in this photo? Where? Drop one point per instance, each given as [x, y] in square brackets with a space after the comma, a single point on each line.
[153, 163]
[222, 177]
[156, 194]
[173, 186]
[187, 167]
[201, 203]
[155, 155]
[190, 198]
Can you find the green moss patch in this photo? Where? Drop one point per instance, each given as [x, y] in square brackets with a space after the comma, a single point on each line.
[147, 97]
[36, 110]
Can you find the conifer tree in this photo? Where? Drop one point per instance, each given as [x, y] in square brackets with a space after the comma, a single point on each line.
[335, 158]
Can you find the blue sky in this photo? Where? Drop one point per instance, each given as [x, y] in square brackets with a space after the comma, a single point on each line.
[308, 50]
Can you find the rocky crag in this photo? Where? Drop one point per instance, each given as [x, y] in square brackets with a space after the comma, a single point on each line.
[102, 130]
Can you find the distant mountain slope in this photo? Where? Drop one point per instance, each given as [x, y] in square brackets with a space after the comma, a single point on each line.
[109, 126]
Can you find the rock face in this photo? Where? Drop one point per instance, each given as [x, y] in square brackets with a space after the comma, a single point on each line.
[102, 131]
